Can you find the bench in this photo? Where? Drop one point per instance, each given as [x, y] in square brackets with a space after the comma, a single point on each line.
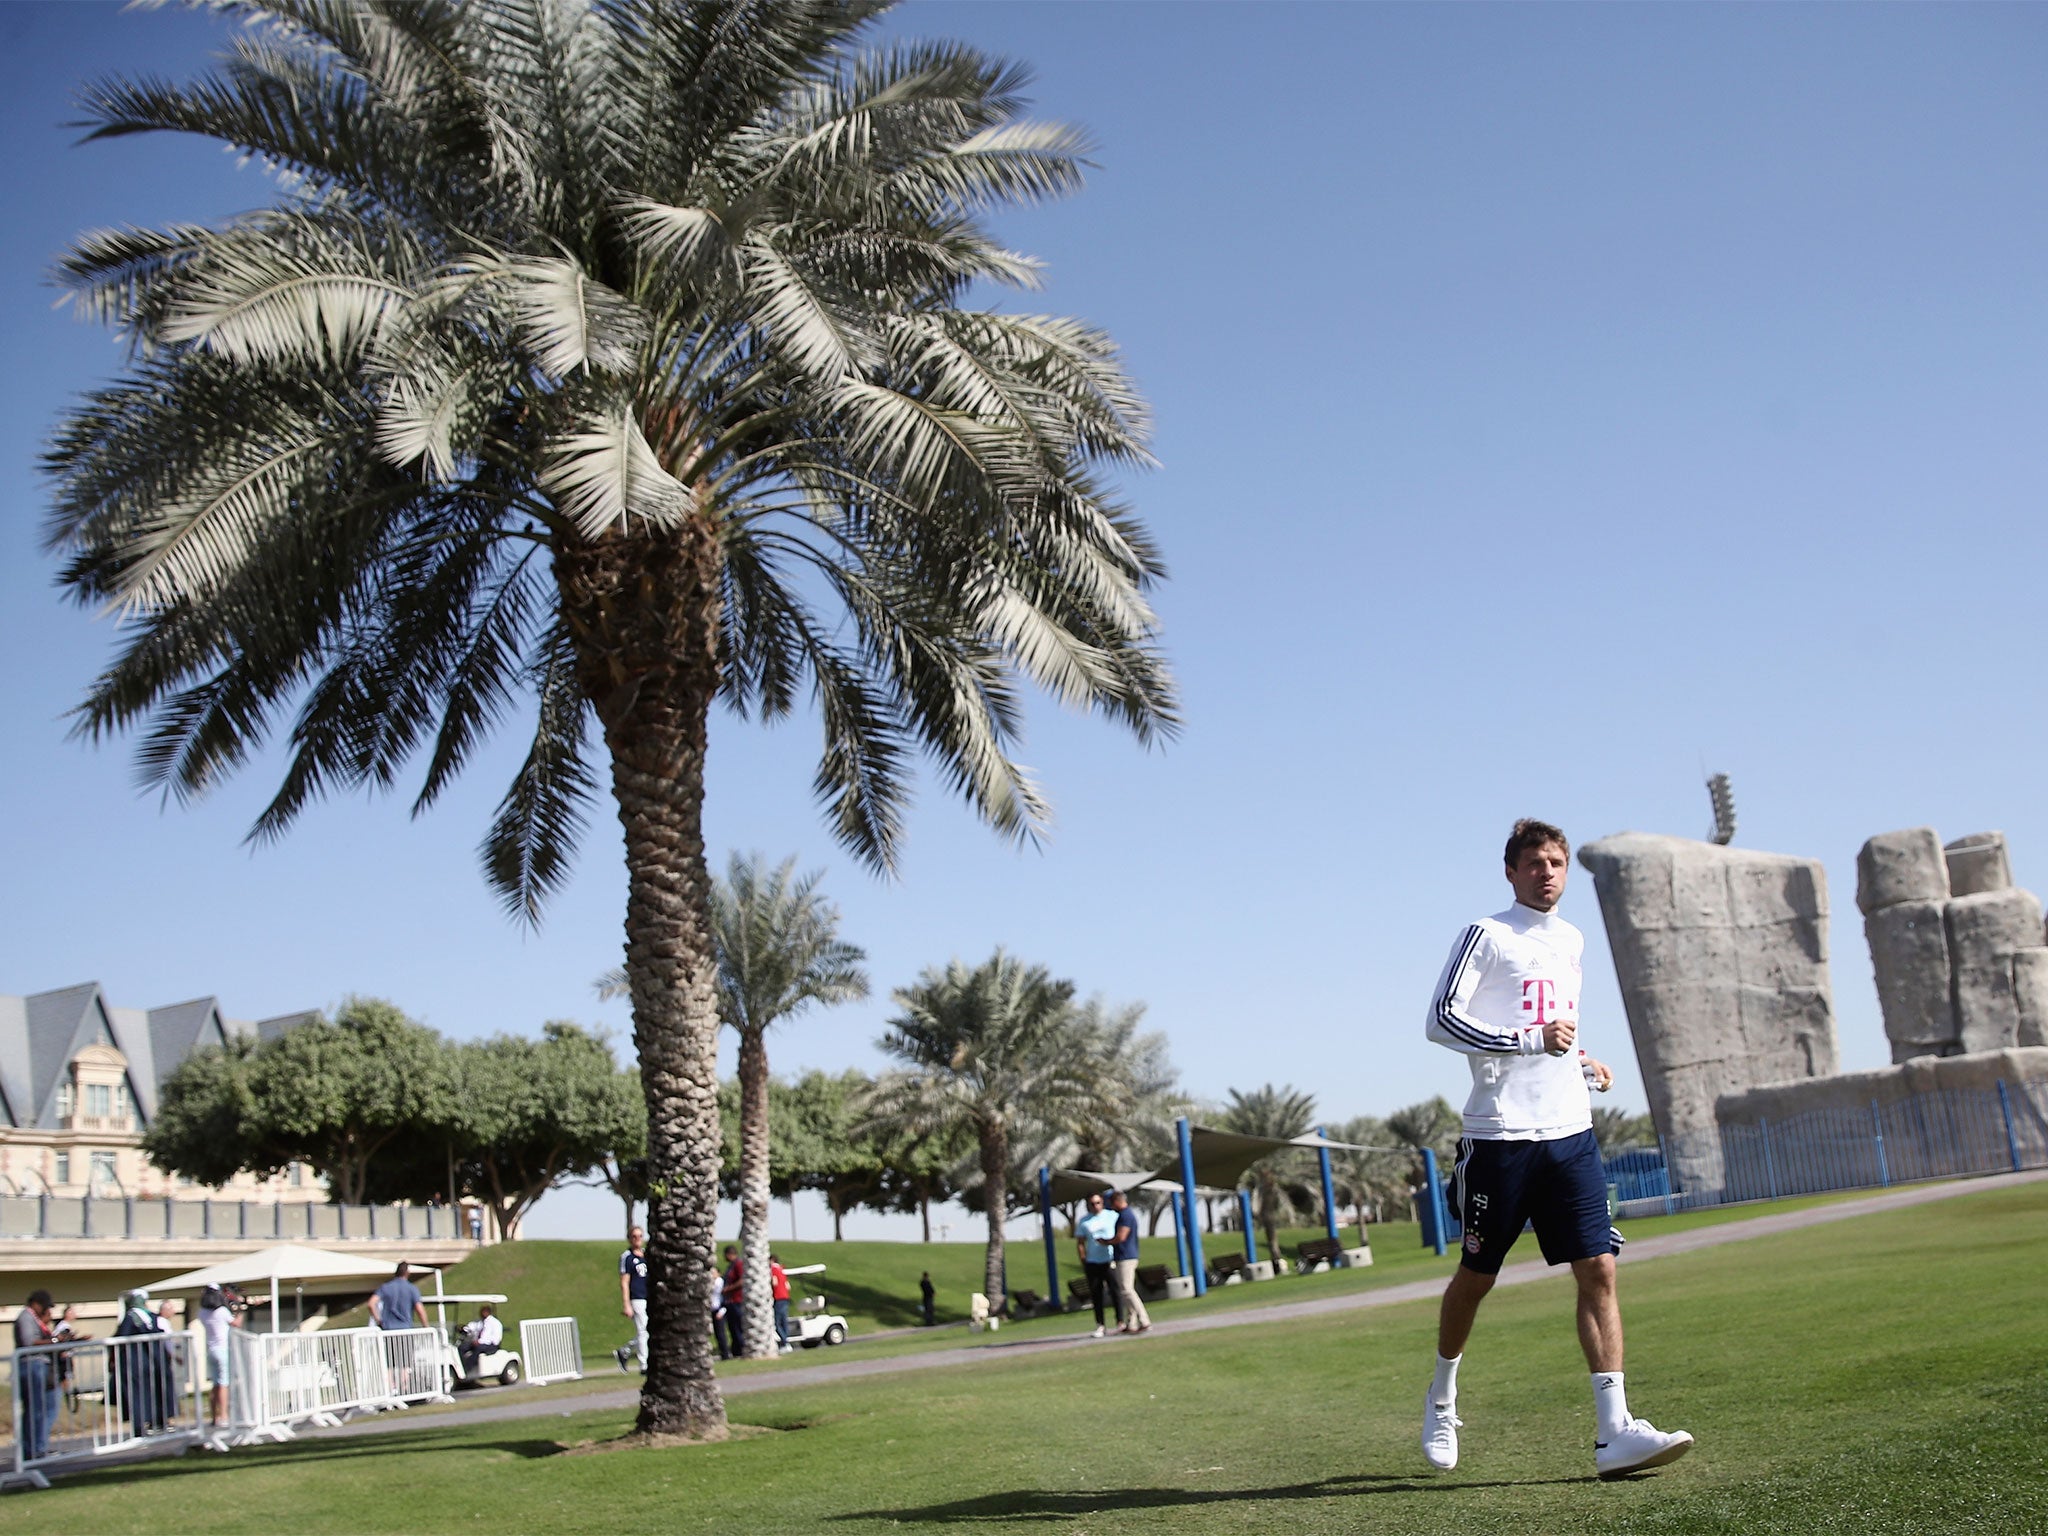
[1225, 1265]
[1077, 1294]
[1151, 1280]
[1318, 1253]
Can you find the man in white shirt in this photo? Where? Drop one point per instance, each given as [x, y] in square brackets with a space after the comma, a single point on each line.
[1509, 1002]
[480, 1336]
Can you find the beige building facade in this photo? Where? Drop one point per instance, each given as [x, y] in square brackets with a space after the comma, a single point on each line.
[79, 1082]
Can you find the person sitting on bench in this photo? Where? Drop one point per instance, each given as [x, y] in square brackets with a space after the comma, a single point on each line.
[480, 1337]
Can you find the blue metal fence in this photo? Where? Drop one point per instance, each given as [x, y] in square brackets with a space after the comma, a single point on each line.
[1951, 1133]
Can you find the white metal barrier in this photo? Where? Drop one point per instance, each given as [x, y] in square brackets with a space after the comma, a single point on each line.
[551, 1348]
[281, 1380]
[76, 1403]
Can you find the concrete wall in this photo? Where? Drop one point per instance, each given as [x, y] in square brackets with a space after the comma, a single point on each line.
[1722, 958]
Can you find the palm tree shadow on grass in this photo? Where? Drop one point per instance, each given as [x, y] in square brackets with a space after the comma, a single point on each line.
[1040, 1504]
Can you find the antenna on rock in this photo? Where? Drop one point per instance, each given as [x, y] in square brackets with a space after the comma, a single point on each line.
[1722, 793]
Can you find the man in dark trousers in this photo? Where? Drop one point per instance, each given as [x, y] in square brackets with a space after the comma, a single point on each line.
[929, 1296]
[633, 1297]
[1095, 1242]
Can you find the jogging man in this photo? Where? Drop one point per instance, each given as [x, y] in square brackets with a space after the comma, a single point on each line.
[633, 1297]
[1509, 1000]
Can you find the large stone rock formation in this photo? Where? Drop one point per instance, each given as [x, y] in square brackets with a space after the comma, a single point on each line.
[1948, 932]
[1722, 956]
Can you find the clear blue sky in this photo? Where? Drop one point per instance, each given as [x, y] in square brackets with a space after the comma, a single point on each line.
[1553, 401]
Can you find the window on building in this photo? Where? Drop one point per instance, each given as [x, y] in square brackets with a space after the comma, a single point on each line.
[99, 1100]
[64, 1100]
[63, 1167]
[124, 1103]
[298, 1176]
[103, 1170]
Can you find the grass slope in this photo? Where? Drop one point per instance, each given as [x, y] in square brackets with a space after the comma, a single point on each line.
[1880, 1375]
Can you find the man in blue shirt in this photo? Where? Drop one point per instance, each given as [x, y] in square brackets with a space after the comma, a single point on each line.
[397, 1302]
[633, 1297]
[1095, 1240]
[1124, 1256]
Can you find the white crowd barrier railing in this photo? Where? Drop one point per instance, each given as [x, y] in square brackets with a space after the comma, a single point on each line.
[76, 1403]
[279, 1381]
[551, 1348]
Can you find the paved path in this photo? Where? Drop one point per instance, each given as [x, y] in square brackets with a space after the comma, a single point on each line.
[561, 1406]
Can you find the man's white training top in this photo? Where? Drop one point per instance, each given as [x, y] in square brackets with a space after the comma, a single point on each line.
[1508, 976]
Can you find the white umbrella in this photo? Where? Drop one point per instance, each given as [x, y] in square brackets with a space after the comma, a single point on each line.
[285, 1261]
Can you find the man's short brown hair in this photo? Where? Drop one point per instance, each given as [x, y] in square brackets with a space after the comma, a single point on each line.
[1531, 833]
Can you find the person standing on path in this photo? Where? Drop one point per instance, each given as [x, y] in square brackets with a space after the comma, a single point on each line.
[928, 1297]
[718, 1320]
[216, 1317]
[1508, 1001]
[1095, 1242]
[37, 1389]
[734, 1288]
[1123, 1252]
[778, 1290]
[633, 1297]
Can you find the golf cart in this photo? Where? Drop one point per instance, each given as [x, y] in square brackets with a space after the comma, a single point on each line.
[501, 1365]
[809, 1323]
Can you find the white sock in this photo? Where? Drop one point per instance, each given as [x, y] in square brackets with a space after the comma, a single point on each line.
[1610, 1403]
[1444, 1389]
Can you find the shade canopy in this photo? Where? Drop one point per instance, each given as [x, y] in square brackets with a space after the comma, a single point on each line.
[285, 1261]
[1071, 1184]
[1222, 1157]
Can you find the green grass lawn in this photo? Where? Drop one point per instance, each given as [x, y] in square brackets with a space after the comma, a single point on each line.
[1884, 1374]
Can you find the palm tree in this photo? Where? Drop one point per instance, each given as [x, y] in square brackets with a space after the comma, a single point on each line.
[1366, 1179]
[987, 1050]
[778, 953]
[1427, 1125]
[1281, 1180]
[1126, 1119]
[600, 359]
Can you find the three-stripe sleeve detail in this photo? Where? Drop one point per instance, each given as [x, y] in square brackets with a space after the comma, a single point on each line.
[1460, 1027]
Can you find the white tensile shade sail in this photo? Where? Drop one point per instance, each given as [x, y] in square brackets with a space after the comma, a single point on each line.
[282, 1262]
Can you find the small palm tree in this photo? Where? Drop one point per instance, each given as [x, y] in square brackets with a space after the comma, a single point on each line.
[1366, 1179]
[778, 953]
[987, 1051]
[1126, 1119]
[598, 361]
[1281, 1181]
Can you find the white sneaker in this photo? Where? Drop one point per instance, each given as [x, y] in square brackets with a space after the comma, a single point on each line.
[1640, 1446]
[1440, 1426]
[1098, 1330]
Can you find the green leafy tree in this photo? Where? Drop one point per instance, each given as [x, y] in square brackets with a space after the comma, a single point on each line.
[596, 362]
[984, 1054]
[1283, 1183]
[340, 1094]
[207, 1127]
[779, 953]
[532, 1113]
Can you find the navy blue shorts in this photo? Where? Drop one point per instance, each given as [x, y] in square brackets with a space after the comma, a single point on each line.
[1558, 1186]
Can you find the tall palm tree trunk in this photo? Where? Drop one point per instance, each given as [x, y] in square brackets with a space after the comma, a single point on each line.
[642, 611]
[995, 1193]
[756, 1288]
